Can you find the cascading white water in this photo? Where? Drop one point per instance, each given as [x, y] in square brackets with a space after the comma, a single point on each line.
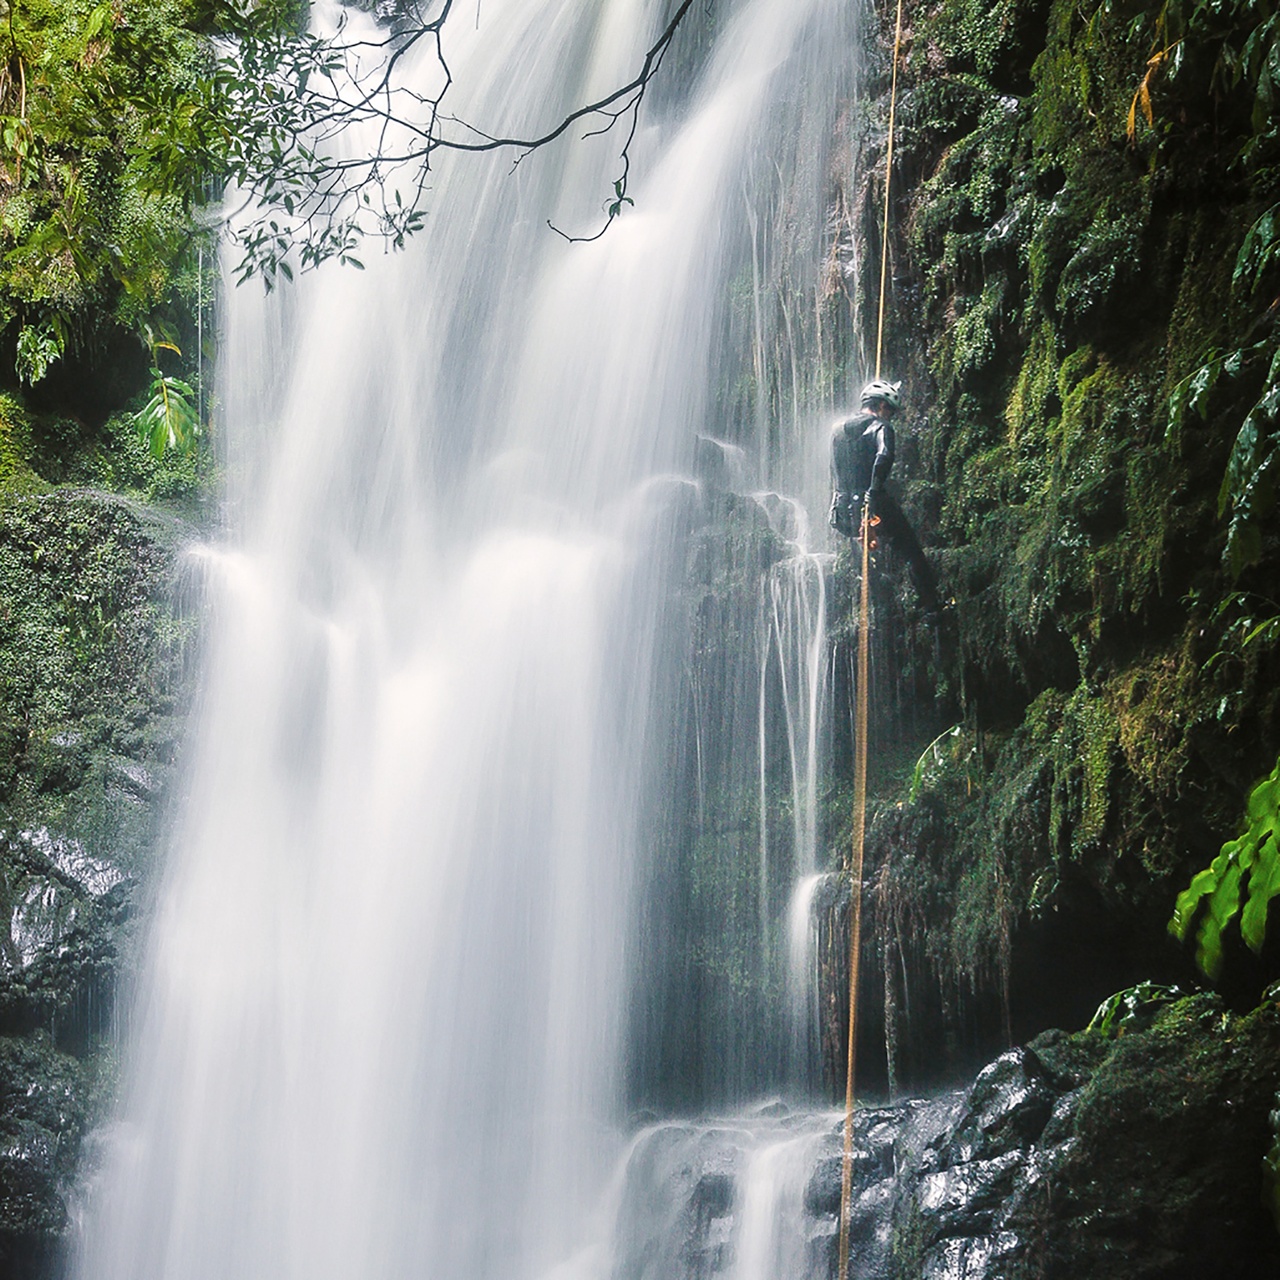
[381, 1029]
[794, 604]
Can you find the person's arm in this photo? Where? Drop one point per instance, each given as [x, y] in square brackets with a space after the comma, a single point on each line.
[837, 442]
[840, 517]
[883, 463]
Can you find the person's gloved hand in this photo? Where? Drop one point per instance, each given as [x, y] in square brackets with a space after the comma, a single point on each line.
[841, 515]
[871, 501]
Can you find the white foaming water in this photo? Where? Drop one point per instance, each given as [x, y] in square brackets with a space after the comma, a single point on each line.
[795, 624]
[380, 1029]
[773, 1237]
[802, 980]
[722, 1196]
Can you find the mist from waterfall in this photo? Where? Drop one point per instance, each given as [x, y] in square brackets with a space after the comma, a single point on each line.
[387, 1022]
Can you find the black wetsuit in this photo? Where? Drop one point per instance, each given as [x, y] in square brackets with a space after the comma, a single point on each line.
[862, 451]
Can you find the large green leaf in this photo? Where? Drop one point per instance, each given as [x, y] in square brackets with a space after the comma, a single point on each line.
[168, 420]
[1249, 865]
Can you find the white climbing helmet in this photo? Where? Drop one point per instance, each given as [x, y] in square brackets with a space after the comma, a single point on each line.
[889, 392]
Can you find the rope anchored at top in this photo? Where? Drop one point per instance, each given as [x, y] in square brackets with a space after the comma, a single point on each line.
[888, 177]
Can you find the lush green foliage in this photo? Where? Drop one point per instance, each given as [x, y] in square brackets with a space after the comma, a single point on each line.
[117, 117]
[1234, 45]
[1070, 279]
[1133, 1007]
[1248, 490]
[100, 165]
[935, 758]
[1246, 870]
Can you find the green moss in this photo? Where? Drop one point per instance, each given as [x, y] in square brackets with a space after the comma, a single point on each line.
[92, 657]
[1177, 1116]
[42, 1120]
[16, 474]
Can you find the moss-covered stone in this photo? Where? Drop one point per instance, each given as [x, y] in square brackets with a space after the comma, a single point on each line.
[43, 1096]
[95, 649]
[1164, 1173]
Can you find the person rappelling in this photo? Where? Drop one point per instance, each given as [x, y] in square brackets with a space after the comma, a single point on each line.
[862, 454]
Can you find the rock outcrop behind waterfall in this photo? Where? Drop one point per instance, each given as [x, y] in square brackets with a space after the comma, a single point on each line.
[1076, 1155]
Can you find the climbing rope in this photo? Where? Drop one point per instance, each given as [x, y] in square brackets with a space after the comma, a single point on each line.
[888, 175]
[860, 728]
[855, 880]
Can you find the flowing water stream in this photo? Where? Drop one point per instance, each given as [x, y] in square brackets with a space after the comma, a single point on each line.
[385, 1023]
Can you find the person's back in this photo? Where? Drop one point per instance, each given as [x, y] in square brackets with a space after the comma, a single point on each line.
[862, 453]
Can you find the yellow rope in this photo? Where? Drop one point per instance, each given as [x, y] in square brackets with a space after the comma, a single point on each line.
[855, 880]
[860, 728]
[888, 176]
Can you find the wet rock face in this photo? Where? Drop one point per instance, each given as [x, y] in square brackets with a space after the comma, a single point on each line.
[971, 1185]
[1073, 1157]
[94, 684]
[886, 1142]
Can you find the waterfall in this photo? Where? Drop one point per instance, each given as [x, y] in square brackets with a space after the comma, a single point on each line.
[794, 604]
[382, 1027]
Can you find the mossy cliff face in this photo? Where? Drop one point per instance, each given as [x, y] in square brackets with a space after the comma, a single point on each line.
[95, 664]
[1059, 269]
[1057, 276]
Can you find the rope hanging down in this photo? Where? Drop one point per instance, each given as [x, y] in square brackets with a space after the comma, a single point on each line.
[860, 728]
[888, 174]
[855, 881]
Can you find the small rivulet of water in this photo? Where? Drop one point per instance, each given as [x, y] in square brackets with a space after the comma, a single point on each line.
[382, 1026]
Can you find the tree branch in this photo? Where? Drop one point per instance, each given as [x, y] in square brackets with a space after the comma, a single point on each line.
[282, 96]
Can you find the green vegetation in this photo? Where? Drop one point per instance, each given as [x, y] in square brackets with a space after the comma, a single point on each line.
[1247, 868]
[1087, 259]
[1249, 485]
[1175, 1113]
[1133, 1007]
[98, 175]
[169, 419]
[101, 175]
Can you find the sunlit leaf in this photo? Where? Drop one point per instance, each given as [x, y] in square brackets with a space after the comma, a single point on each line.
[1249, 865]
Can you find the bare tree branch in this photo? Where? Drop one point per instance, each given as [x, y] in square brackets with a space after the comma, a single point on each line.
[281, 98]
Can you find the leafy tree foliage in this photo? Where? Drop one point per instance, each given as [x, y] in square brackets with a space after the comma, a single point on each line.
[119, 118]
[95, 202]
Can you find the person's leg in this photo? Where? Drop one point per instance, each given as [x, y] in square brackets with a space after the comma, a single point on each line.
[898, 533]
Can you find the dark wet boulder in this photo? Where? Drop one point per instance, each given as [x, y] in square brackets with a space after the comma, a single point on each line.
[968, 1199]
[1134, 1158]
[1161, 1175]
[1006, 1110]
